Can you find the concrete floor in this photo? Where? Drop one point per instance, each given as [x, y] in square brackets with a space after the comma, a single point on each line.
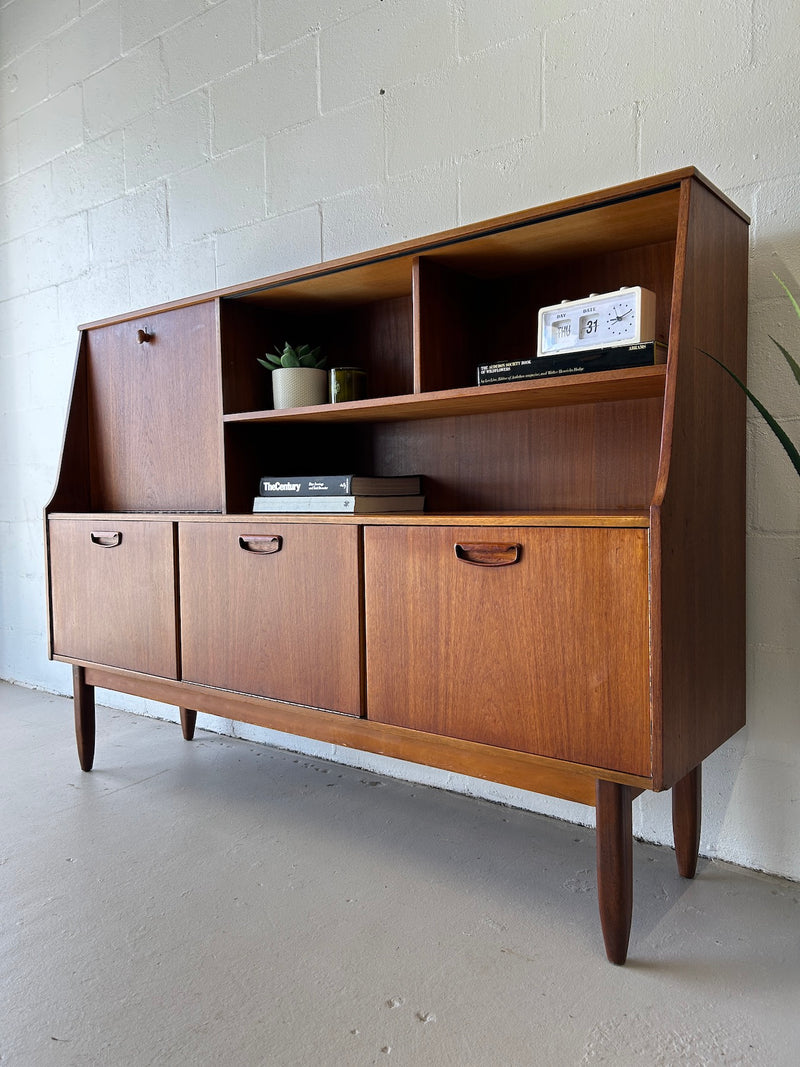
[221, 902]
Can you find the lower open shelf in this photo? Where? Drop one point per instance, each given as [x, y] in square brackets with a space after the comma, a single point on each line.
[628, 517]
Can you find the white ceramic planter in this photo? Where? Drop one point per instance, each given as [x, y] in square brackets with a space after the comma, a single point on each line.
[299, 387]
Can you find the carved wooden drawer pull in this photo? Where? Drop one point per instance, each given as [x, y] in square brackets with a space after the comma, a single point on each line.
[488, 555]
[106, 540]
[263, 544]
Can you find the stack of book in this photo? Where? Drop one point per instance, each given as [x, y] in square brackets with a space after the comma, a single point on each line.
[345, 494]
[644, 354]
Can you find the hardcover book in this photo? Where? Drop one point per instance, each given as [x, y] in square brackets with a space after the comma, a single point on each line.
[339, 485]
[645, 354]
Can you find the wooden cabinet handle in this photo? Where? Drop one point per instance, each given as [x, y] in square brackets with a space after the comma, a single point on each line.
[488, 555]
[263, 544]
[142, 336]
[106, 540]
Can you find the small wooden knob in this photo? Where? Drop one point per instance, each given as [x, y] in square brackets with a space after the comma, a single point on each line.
[143, 336]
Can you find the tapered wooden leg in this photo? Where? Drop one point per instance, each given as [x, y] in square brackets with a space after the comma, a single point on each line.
[188, 720]
[615, 866]
[686, 816]
[83, 700]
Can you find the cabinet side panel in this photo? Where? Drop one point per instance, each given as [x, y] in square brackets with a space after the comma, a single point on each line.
[702, 520]
[71, 492]
[72, 486]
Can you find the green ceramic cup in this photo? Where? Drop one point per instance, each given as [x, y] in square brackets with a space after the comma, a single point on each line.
[348, 383]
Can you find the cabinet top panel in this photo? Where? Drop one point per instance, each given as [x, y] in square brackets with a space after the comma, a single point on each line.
[644, 212]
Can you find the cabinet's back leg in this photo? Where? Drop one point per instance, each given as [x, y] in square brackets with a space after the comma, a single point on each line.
[615, 866]
[83, 700]
[188, 720]
[686, 817]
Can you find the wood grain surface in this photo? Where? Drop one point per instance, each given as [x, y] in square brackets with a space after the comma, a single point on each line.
[282, 624]
[547, 655]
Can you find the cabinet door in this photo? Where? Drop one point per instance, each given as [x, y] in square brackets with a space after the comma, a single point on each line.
[273, 609]
[546, 652]
[155, 413]
[113, 593]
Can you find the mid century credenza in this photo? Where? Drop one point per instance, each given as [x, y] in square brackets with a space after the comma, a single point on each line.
[601, 656]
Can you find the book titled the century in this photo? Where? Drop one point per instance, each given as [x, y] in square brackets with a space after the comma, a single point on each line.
[339, 485]
[645, 354]
[338, 505]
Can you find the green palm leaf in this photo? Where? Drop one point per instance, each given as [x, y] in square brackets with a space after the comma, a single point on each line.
[793, 365]
[788, 292]
[777, 429]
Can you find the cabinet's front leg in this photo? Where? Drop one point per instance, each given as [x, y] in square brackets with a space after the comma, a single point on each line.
[615, 866]
[83, 700]
[686, 816]
[188, 721]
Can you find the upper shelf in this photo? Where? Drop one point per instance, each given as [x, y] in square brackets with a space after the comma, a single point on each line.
[630, 384]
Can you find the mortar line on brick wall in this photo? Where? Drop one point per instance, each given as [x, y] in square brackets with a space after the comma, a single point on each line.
[321, 233]
[457, 14]
[157, 36]
[384, 137]
[752, 61]
[169, 243]
[542, 82]
[260, 41]
[318, 73]
[269, 211]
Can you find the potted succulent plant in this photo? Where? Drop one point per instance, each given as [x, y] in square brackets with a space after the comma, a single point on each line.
[298, 379]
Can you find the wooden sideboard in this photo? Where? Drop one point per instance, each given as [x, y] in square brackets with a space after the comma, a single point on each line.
[605, 658]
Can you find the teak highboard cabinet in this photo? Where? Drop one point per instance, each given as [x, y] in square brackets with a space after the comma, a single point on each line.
[601, 656]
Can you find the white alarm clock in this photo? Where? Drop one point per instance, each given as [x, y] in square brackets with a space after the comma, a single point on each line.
[601, 320]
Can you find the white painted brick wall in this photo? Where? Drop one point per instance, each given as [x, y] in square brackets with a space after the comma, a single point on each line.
[511, 177]
[465, 106]
[221, 195]
[168, 140]
[278, 244]
[51, 128]
[274, 94]
[9, 151]
[390, 211]
[128, 227]
[154, 148]
[210, 46]
[133, 86]
[336, 152]
[57, 253]
[481, 25]
[282, 23]
[92, 174]
[23, 82]
[397, 51]
[23, 24]
[86, 46]
[145, 20]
